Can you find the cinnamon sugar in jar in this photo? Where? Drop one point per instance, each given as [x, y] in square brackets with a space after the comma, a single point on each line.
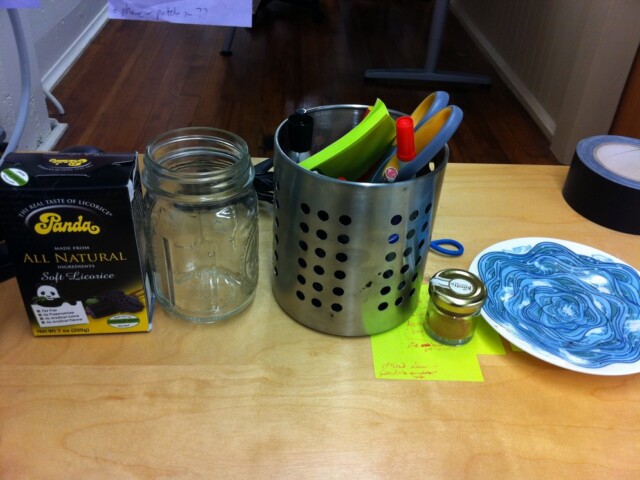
[455, 299]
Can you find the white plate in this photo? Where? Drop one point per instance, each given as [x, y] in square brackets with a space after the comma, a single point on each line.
[565, 303]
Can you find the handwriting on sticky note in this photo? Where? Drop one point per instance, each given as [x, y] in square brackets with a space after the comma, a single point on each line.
[414, 370]
[232, 13]
[407, 352]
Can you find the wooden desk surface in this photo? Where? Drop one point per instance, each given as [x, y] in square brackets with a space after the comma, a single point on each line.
[260, 396]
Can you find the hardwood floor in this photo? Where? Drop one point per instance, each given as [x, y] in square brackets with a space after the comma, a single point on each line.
[139, 79]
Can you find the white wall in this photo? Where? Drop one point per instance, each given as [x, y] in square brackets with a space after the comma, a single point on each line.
[38, 126]
[566, 60]
[57, 33]
[61, 31]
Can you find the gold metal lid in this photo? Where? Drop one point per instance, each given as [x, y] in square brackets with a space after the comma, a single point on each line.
[456, 291]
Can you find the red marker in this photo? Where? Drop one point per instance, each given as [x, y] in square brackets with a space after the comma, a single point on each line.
[405, 139]
[405, 148]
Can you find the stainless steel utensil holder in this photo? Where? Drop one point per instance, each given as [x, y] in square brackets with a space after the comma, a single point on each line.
[348, 257]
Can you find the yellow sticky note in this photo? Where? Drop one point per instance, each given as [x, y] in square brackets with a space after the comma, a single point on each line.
[407, 352]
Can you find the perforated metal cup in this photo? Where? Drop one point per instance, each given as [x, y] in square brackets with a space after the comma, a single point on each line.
[348, 257]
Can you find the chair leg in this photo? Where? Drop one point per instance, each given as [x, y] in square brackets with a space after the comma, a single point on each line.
[430, 73]
[228, 40]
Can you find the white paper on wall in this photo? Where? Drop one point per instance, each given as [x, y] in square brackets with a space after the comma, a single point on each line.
[19, 3]
[230, 13]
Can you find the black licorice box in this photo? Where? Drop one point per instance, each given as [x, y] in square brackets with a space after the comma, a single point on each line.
[74, 228]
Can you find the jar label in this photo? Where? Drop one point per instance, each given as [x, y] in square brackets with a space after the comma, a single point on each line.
[461, 286]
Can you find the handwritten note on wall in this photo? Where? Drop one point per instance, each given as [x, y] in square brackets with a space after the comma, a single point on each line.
[230, 13]
[19, 3]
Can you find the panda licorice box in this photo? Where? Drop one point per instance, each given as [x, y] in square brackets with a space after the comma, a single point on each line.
[74, 227]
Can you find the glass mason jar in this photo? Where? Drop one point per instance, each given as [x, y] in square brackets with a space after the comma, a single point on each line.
[202, 223]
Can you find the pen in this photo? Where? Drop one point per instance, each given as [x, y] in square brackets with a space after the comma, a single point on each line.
[391, 171]
[300, 131]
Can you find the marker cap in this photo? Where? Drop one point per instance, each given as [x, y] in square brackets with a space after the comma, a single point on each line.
[405, 139]
[300, 129]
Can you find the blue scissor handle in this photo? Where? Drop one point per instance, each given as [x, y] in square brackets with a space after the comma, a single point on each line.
[440, 247]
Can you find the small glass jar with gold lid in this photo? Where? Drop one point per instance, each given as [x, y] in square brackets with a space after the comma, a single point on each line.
[455, 299]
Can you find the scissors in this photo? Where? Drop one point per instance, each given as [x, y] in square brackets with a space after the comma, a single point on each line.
[431, 138]
[440, 246]
[433, 104]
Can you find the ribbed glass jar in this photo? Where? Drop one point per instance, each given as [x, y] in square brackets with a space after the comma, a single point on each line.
[202, 223]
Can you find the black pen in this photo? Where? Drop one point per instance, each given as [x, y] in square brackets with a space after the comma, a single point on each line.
[300, 131]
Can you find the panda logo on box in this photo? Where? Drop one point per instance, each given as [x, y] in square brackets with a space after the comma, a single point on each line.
[48, 296]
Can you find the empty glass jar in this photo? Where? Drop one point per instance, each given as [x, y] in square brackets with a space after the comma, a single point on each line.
[202, 223]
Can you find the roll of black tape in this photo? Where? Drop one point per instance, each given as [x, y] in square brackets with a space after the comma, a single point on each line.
[603, 183]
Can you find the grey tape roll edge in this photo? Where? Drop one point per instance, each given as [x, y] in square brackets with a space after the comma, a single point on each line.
[602, 200]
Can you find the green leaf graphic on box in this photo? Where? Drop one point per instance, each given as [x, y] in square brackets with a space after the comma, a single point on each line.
[355, 152]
